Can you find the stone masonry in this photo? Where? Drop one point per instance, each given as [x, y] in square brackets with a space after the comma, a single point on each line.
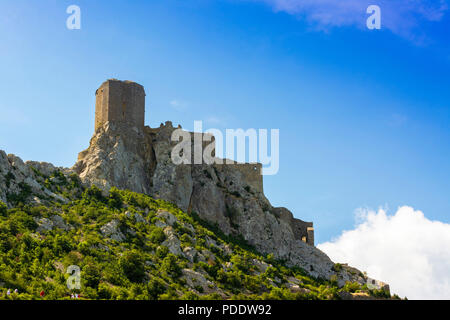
[121, 102]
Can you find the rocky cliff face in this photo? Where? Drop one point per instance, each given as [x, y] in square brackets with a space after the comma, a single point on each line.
[129, 158]
[19, 180]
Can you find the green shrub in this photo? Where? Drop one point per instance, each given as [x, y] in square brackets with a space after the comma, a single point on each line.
[337, 267]
[132, 265]
[170, 266]
[93, 193]
[380, 293]
[157, 236]
[351, 287]
[91, 275]
[115, 198]
[155, 288]
[3, 209]
[161, 252]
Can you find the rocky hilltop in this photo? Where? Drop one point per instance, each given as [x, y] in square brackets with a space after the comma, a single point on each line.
[220, 194]
[129, 156]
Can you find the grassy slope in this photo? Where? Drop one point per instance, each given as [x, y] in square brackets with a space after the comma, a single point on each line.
[140, 266]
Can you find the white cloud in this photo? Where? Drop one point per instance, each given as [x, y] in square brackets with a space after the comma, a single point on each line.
[406, 250]
[402, 17]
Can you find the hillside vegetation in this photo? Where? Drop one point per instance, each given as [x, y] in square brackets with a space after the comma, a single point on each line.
[131, 246]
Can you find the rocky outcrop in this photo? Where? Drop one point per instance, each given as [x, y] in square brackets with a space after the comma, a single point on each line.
[55, 221]
[29, 182]
[172, 242]
[197, 281]
[111, 230]
[223, 195]
[117, 160]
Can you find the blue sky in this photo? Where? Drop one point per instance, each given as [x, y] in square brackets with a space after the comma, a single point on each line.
[364, 115]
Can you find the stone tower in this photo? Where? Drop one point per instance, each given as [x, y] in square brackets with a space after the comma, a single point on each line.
[120, 102]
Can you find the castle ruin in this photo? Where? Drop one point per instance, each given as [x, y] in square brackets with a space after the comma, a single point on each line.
[122, 103]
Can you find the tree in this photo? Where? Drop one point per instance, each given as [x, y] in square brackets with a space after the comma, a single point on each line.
[91, 275]
[132, 265]
[170, 266]
[157, 236]
[156, 287]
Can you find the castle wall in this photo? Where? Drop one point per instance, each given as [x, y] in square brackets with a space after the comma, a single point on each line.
[252, 174]
[302, 230]
[120, 101]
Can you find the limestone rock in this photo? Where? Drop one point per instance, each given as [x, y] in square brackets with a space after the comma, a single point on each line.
[59, 222]
[118, 157]
[44, 225]
[161, 224]
[139, 218]
[295, 288]
[17, 177]
[208, 255]
[111, 230]
[196, 280]
[350, 274]
[172, 242]
[100, 247]
[55, 221]
[261, 266]
[354, 296]
[167, 216]
[129, 215]
[190, 253]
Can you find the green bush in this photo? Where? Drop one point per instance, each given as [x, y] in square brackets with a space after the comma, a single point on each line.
[351, 287]
[3, 209]
[170, 266]
[91, 275]
[157, 236]
[132, 265]
[93, 193]
[337, 267]
[380, 293]
[155, 288]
